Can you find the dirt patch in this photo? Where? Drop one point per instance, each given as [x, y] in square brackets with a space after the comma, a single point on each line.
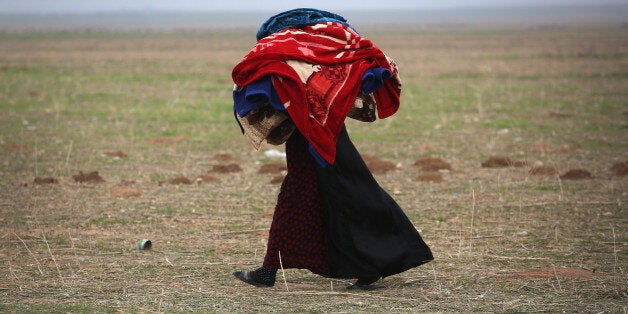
[125, 191]
[275, 167]
[47, 180]
[543, 171]
[180, 180]
[576, 174]
[561, 272]
[223, 157]
[17, 148]
[559, 115]
[116, 154]
[377, 165]
[207, 178]
[226, 168]
[167, 140]
[277, 180]
[620, 169]
[432, 164]
[90, 177]
[502, 162]
[431, 176]
[565, 149]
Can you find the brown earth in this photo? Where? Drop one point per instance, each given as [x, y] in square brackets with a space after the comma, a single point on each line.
[560, 272]
[91, 177]
[226, 168]
[559, 115]
[377, 165]
[18, 148]
[47, 180]
[277, 179]
[432, 164]
[543, 171]
[565, 149]
[205, 178]
[502, 162]
[431, 176]
[576, 174]
[223, 157]
[620, 169]
[180, 180]
[275, 167]
[116, 154]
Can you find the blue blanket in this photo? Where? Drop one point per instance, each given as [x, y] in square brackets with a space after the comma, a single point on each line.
[297, 18]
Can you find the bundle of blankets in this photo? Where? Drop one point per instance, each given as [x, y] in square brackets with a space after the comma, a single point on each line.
[310, 70]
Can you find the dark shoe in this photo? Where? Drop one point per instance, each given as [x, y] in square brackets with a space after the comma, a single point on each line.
[366, 283]
[260, 277]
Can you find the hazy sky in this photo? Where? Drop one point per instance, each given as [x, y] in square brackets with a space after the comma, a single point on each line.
[74, 6]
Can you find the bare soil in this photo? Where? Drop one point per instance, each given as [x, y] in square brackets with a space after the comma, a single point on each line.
[430, 176]
[90, 177]
[226, 168]
[502, 162]
[432, 164]
[378, 165]
[543, 171]
[274, 167]
[576, 174]
[620, 169]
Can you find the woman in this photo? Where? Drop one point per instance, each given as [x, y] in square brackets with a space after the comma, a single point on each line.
[309, 71]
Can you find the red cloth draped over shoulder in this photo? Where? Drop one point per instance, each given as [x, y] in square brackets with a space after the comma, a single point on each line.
[318, 98]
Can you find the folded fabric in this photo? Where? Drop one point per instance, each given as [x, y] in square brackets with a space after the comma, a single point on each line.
[258, 93]
[297, 18]
[317, 71]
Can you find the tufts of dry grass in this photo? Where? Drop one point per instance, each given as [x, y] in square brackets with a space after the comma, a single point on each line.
[505, 239]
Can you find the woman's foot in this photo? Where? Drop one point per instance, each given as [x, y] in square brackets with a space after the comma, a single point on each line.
[260, 277]
[365, 283]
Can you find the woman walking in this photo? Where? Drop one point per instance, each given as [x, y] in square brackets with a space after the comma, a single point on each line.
[308, 72]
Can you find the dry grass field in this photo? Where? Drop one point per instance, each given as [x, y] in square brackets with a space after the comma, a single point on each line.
[509, 153]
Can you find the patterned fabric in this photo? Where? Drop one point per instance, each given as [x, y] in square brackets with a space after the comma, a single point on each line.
[297, 230]
[317, 73]
[266, 123]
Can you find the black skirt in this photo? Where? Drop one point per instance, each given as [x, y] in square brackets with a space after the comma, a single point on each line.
[366, 231]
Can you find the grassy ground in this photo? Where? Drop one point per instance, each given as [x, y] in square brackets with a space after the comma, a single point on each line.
[145, 108]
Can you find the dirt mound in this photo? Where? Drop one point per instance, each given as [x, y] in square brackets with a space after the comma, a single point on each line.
[180, 180]
[116, 154]
[502, 162]
[561, 272]
[125, 191]
[431, 176]
[47, 180]
[559, 115]
[226, 168]
[223, 157]
[565, 149]
[543, 171]
[205, 178]
[576, 174]
[377, 165]
[620, 169]
[91, 177]
[17, 148]
[432, 164]
[275, 167]
[277, 180]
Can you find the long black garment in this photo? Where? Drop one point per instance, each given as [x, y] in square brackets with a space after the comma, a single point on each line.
[366, 231]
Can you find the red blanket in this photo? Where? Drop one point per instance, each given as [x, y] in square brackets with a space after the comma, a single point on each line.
[317, 72]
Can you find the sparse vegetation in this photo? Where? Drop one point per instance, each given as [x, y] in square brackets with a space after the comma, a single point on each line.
[504, 240]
